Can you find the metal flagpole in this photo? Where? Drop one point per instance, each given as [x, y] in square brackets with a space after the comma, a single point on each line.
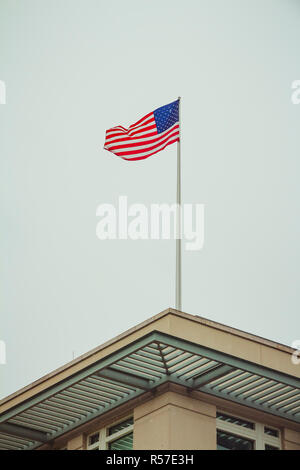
[178, 220]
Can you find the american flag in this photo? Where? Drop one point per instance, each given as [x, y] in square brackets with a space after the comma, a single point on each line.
[147, 136]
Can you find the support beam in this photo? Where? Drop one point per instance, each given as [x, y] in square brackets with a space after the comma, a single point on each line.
[215, 374]
[125, 378]
[25, 433]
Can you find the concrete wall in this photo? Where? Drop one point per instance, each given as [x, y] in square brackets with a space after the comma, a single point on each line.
[291, 439]
[172, 421]
[78, 443]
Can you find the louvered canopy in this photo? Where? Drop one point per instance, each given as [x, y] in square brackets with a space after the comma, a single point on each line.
[141, 366]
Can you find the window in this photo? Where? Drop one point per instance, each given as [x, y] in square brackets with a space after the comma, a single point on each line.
[118, 436]
[226, 441]
[269, 447]
[236, 433]
[234, 420]
[123, 443]
[94, 438]
[271, 432]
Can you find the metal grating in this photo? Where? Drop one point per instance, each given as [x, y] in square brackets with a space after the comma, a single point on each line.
[141, 366]
[8, 442]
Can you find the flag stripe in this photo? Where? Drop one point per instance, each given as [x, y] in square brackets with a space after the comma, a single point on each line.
[149, 122]
[124, 139]
[145, 121]
[151, 153]
[115, 131]
[142, 119]
[141, 131]
[146, 148]
[141, 142]
[150, 137]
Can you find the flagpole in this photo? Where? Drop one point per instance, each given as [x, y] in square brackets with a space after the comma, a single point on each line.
[178, 220]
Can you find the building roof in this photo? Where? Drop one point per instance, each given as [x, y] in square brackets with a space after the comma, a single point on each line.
[172, 346]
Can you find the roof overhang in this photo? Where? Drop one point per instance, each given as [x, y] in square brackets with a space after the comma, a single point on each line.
[141, 366]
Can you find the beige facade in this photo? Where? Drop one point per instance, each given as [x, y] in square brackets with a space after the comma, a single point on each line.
[175, 414]
[175, 421]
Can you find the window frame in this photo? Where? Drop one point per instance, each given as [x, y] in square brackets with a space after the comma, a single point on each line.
[257, 435]
[105, 439]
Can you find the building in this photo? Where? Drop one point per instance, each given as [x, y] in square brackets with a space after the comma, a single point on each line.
[175, 381]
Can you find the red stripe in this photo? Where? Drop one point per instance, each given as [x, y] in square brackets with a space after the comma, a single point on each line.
[146, 156]
[128, 139]
[142, 124]
[142, 142]
[108, 136]
[148, 128]
[128, 131]
[134, 152]
[140, 120]
[117, 129]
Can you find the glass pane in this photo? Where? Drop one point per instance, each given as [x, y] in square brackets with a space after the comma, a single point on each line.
[94, 438]
[268, 447]
[271, 432]
[123, 443]
[227, 441]
[120, 426]
[233, 420]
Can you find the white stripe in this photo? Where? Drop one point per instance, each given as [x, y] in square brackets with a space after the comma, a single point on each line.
[114, 130]
[143, 142]
[146, 146]
[135, 140]
[135, 136]
[129, 157]
[134, 126]
[140, 134]
[116, 136]
[137, 130]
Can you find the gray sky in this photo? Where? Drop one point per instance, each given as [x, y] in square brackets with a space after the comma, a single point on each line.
[74, 68]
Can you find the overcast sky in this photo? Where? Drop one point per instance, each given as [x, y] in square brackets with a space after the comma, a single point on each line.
[74, 68]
